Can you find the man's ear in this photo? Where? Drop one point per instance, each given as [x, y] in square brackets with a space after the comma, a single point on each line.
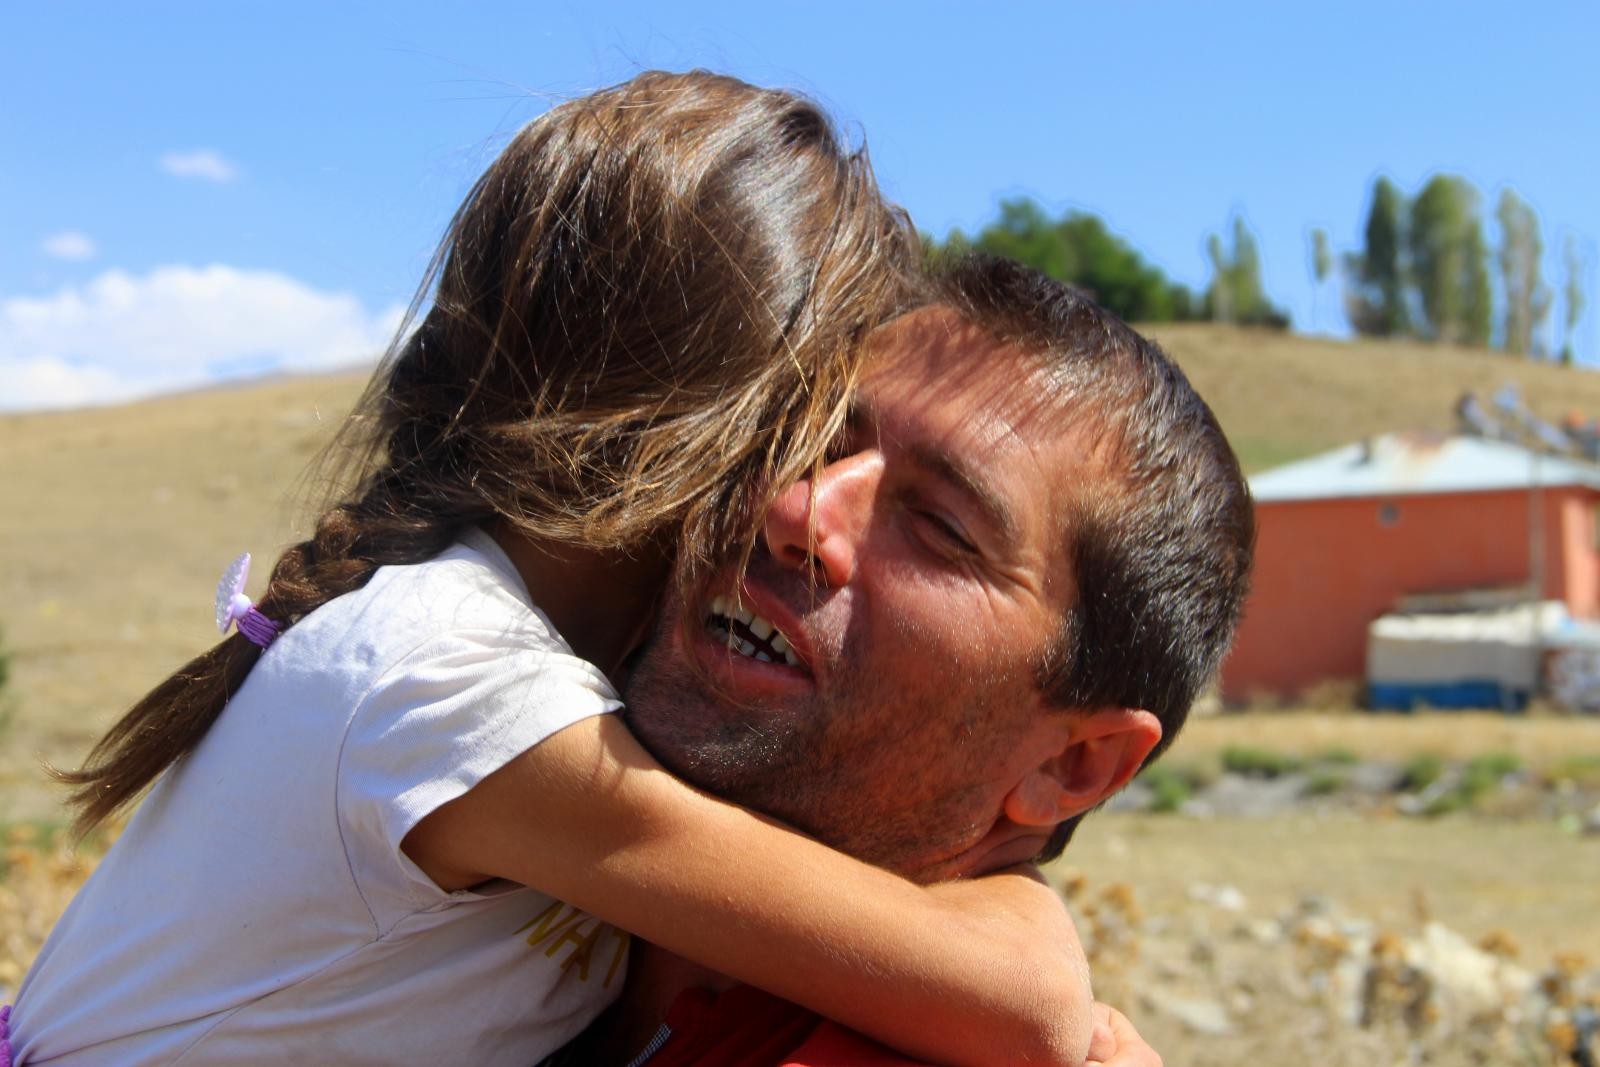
[1102, 750]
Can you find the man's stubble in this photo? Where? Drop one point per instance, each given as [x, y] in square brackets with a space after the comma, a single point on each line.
[851, 780]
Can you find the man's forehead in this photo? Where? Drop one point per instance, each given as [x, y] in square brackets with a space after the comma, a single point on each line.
[932, 361]
[989, 417]
[940, 335]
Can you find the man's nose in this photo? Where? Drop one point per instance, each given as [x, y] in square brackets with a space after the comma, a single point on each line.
[820, 524]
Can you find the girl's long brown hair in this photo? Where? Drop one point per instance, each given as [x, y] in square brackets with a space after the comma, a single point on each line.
[648, 313]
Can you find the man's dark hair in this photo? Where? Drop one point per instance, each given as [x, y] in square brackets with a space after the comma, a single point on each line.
[1162, 538]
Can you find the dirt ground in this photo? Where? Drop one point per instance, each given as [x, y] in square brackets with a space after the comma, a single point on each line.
[1477, 876]
[1537, 740]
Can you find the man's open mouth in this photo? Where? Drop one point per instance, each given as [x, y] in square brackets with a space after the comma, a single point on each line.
[748, 633]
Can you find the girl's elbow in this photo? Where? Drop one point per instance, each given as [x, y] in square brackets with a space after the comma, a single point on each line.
[1057, 1022]
[1062, 1040]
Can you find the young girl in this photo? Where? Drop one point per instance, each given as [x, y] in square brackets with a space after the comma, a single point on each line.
[648, 314]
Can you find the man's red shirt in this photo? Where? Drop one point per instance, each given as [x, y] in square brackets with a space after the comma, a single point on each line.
[745, 1027]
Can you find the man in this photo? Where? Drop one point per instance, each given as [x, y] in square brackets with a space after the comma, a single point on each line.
[979, 621]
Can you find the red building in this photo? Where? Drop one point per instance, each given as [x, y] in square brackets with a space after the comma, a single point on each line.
[1343, 536]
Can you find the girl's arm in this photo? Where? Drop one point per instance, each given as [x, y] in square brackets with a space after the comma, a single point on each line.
[984, 971]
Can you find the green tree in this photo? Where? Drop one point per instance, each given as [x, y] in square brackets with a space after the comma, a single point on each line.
[1573, 292]
[1117, 275]
[1249, 298]
[1321, 256]
[1080, 249]
[1235, 293]
[1375, 297]
[1026, 234]
[1478, 315]
[1447, 251]
[1184, 305]
[1219, 294]
[1321, 266]
[1527, 297]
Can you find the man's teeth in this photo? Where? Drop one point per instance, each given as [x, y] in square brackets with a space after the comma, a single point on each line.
[768, 645]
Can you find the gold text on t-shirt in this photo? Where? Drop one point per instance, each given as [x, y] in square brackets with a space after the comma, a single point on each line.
[562, 924]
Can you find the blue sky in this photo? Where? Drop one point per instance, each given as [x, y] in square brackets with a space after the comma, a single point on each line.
[194, 192]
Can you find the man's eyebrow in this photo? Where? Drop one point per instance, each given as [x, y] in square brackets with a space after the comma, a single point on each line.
[943, 465]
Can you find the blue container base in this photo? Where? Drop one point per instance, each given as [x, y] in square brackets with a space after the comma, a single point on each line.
[1408, 696]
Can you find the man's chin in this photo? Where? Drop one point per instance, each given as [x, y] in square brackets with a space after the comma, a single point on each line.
[1005, 845]
[783, 754]
[753, 752]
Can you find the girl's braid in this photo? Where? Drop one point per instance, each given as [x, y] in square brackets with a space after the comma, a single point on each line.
[385, 526]
[352, 540]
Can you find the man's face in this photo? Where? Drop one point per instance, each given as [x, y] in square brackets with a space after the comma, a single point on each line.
[938, 578]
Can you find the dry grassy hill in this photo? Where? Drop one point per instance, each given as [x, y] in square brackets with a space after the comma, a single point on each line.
[115, 525]
[1283, 397]
[117, 521]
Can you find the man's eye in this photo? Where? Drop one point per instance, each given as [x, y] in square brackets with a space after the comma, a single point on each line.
[945, 530]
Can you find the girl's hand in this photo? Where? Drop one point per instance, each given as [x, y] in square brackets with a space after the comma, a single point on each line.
[1116, 1043]
[1020, 899]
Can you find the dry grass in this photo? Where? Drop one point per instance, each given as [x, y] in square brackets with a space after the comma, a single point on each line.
[1281, 397]
[39, 873]
[1475, 876]
[115, 526]
[1539, 741]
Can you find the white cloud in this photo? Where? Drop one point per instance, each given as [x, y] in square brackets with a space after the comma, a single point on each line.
[49, 382]
[121, 336]
[70, 244]
[205, 163]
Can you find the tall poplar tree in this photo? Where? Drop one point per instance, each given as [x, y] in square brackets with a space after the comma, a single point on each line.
[1478, 314]
[1573, 297]
[1321, 255]
[1447, 261]
[1236, 293]
[1527, 297]
[1321, 266]
[1375, 299]
[1219, 294]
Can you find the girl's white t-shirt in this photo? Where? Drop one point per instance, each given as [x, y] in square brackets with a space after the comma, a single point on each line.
[258, 909]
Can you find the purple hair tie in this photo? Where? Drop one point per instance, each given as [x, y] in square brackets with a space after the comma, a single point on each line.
[234, 608]
[5, 1036]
